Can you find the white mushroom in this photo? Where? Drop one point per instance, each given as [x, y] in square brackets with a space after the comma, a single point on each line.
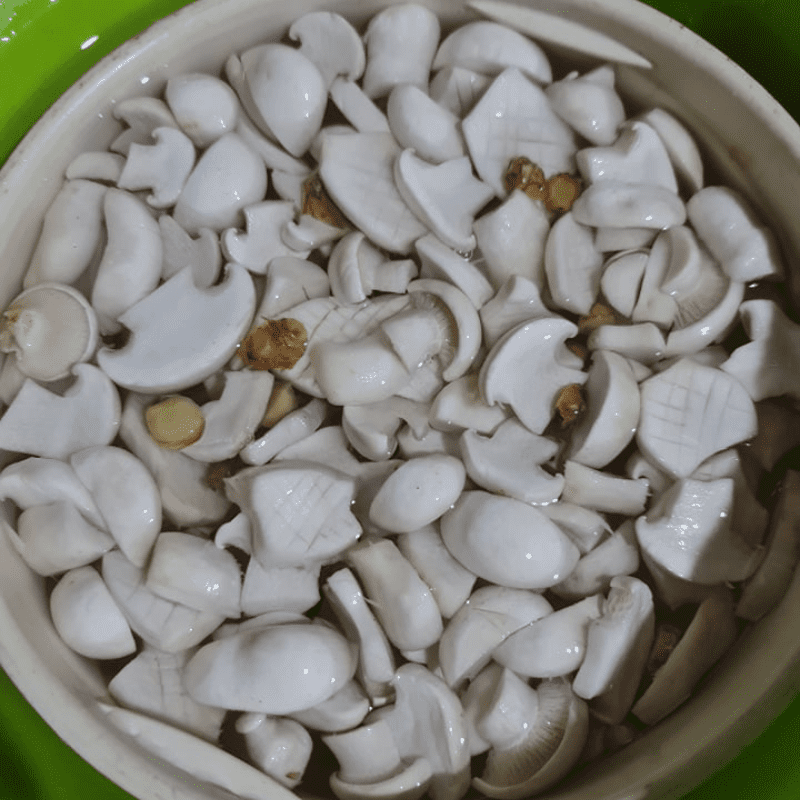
[357, 108]
[95, 166]
[573, 265]
[745, 249]
[621, 279]
[165, 625]
[711, 632]
[71, 235]
[376, 663]
[489, 48]
[514, 118]
[196, 573]
[495, 537]
[273, 155]
[589, 104]
[616, 555]
[309, 233]
[279, 588]
[56, 537]
[417, 493]
[290, 280]
[299, 512]
[419, 123]
[618, 646]
[603, 491]
[683, 152]
[527, 368]
[680, 429]
[442, 263]
[517, 300]
[490, 615]
[126, 495]
[560, 30]
[586, 528]
[142, 115]
[381, 775]
[372, 429]
[459, 407]
[229, 176]
[341, 712]
[279, 747]
[42, 423]
[457, 89]
[509, 463]
[690, 534]
[552, 646]
[613, 412]
[642, 342]
[401, 42]
[403, 604]
[49, 328]
[162, 357]
[231, 421]
[607, 239]
[193, 756]
[153, 684]
[162, 167]
[204, 106]
[87, 618]
[186, 498]
[261, 241]
[618, 204]
[444, 196]
[180, 251]
[357, 171]
[132, 260]
[278, 669]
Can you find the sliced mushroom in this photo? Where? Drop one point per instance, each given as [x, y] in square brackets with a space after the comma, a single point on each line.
[401, 42]
[492, 536]
[509, 463]
[372, 429]
[357, 108]
[42, 423]
[152, 683]
[205, 107]
[95, 166]
[279, 588]
[618, 204]
[87, 617]
[459, 407]
[514, 118]
[342, 712]
[314, 522]
[71, 235]
[528, 366]
[517, 300]
[278, 669]
[332, 43]
[586, 528]
[442, 263]
[142, 115]
[381, 775]
[602, 491]
[49, 328]
[213, 322]
[457, 89]
[279, 747]
[180, 251]
[162, 167]
[165, 625]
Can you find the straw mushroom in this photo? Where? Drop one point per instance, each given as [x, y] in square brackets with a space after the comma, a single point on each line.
[49, 328]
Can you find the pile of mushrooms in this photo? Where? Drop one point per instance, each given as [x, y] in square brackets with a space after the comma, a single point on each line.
[403, 437]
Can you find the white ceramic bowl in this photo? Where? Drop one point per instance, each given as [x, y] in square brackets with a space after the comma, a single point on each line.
[753, 145]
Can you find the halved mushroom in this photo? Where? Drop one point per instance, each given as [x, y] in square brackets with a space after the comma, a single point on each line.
[618, 204]
[87, 617]
[442, 263]
[95, 166]
[213, 322]
[617, 649]
[403, 603]
[171, 627]
[42, 423]
[152, 683]
[602, 491]
[401, 42]
[509, 463]
[331, 43]
[493, 536]
[277, 669]
[356, 108]
[586, 528]
[205, 107]
[517, 300]
[459, 407]
[514, 118]
[279, 588]
[681, 147]
[527, 368]
[370, 766]
[126, 495]
[71, 234]
[162, 167]
[342, 712]
[445, 196]
[279, 747]
[49, 328]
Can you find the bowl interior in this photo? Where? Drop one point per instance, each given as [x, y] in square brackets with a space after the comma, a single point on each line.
[750, 143]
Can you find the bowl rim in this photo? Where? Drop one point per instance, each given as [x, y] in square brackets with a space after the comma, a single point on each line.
[67, 714]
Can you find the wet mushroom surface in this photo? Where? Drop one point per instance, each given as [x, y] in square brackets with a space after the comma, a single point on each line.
[393, 408]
